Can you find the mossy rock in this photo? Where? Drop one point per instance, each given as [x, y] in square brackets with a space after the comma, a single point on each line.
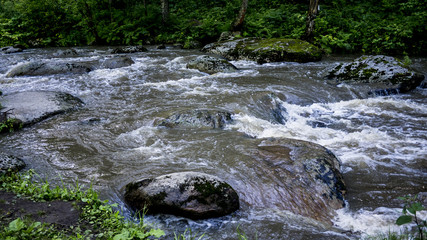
[188, 194]
[266, 50]
[197, 119]
[211, 65]
[382, 74]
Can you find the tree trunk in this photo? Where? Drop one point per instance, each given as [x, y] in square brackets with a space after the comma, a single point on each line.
[165, 11]
[311, 16]
[238, 23]
[145, 8]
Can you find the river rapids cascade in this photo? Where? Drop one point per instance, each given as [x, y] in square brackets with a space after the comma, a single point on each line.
[308, 158]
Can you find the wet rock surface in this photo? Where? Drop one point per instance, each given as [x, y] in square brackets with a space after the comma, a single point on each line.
[33, 107]
[266, 50]
[198, 119]
[117, 62]
[310, 183]
[384, 75]
[189, 194]
[49, 67]
[129, 49]
[9, 162]
[211, 65]
[10, 49]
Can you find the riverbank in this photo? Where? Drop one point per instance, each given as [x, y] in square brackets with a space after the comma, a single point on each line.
[33, 209]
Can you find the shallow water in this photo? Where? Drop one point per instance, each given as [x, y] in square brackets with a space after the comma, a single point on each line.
[112, 140]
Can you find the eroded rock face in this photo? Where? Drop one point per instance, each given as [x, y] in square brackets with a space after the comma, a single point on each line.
[188, 194]
[198, 119]
[33, 107]
[307, 177]
[49, 68]
[266, 50]
[8, 162]
[211, 65]
[383, 75]
[129, 49]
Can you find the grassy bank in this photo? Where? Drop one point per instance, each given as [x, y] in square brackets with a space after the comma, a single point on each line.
[97, 219]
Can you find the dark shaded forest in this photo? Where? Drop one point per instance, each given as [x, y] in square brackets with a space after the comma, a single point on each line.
[396, 27]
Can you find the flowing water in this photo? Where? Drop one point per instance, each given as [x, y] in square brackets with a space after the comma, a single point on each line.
[113, 140]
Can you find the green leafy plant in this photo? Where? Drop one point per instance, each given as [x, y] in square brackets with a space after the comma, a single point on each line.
[188, 235]
[409, 214]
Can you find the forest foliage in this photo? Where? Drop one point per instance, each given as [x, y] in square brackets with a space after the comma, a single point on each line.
[342, 26]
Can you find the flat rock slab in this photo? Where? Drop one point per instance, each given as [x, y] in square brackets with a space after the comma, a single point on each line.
[33, 107]
[62, 214]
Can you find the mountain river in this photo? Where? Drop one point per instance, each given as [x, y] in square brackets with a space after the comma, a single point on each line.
[112, 140]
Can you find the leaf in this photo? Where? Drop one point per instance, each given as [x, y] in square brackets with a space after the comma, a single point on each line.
[16, 225]
[404, 220]
[415, 207]
[157, 233]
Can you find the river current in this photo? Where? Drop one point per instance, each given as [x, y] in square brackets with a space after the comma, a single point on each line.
[113, 140]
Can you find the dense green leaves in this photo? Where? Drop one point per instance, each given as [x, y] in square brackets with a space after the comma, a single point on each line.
[387, 26]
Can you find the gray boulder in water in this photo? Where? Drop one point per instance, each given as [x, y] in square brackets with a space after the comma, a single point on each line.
[188, 194]
[198, 119]
[49, 68]
[10, 49]
[117, 62]
[211, 65]
[33, 107]
[129, 49]
[306, 175]
[383, 75]
[10, 163]
[266, 50]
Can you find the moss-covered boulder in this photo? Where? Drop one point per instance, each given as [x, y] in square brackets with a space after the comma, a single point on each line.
[197, 119]
[266, 50]
[211, 65]
[383, 75]
[10, 163]
[188, 194]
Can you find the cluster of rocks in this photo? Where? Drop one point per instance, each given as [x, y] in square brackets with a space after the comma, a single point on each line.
[311, 183]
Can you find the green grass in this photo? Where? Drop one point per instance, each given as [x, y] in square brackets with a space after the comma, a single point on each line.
[98, 219]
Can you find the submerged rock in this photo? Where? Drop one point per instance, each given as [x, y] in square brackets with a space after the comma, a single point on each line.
[266, 50]
[383, 75]
[188, 194]
[198, 118]
[10, 163]
[130, 49]
[33, 107]
[211, 65]
[308, 179]
[49, 68]
[117, 62]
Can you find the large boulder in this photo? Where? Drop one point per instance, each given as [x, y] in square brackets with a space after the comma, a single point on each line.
[117, 62]
[266, 50]
[306, 175]
[211, 65]
[382, 75]
[198, 119]
[48, 68]
[33, 107]
[10, 163]
[188, 194]
[129, 49]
